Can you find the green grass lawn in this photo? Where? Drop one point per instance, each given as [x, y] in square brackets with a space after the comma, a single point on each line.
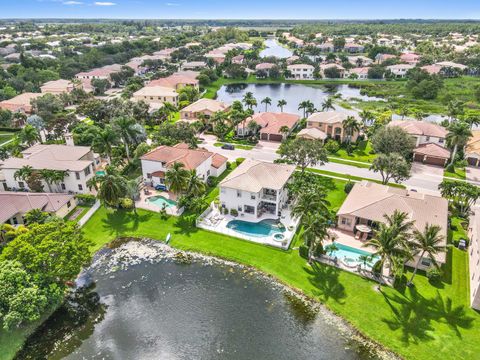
[346, 162]
[414, 322]
[5, 137]
[459, 173]
[237, 146]
[350, 177]
[360, 153]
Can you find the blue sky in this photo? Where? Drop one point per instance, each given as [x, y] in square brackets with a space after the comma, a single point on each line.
[242, 9]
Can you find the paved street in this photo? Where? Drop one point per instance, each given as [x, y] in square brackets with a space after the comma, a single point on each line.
[424, 177]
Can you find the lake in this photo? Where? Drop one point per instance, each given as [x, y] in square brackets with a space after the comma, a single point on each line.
[273, 48]
[146, 304]
[294, 94]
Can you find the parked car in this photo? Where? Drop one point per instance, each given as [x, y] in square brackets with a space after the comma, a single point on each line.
[161, 187]
[228, 147]
[462, 244]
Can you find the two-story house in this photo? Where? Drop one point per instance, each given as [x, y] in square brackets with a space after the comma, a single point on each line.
[430, 141]
[156, 163]
[400, 70]
[256, 188]
[301, 71]
[78, 162]
[331, 124]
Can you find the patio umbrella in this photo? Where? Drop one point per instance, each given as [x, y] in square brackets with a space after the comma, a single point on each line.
[364, 229]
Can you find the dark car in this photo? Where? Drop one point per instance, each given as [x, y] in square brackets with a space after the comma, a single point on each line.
[228, 147]
[160, 187]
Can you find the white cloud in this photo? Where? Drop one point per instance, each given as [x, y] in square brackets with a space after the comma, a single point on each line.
[172, 4]
[104, 3]
[72, 3]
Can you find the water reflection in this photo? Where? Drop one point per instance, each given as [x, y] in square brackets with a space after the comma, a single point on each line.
[273, 48]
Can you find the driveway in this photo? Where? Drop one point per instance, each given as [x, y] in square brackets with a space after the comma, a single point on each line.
[472, 174]
[419, 169]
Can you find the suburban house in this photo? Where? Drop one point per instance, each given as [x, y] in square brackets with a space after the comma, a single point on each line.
[239, 59]
[207, 107]
[79, 162]
[175, 81]
[193, 65]
[20, 103]
[323, 67]
[331, 124]
[360, 61]
[312, 133]
[368, 202]
[380, 58]
[265, 67]
[474, 259]
[301, 71]
[361, 73]
[256, 188]
[326, 47]
[57, 87]
[429, 141]
[156, 95]
[410, 58]
[270, 124]
[400, 70]
[156, 163]
[16, 204]
[99, 73]
[353, 47]
[472, 150]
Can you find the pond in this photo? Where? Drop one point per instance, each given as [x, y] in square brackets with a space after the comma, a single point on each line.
[294, 94]
[273, 48]
[146, 304]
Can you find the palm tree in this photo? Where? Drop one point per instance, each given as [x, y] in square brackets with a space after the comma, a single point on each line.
[195, 185]
[399, 221]
[308, 202]
[472, 120]
[169, 109]
[429, 242]
[350, 124]
[104, 141]
[125, 128]
[315, 232]
[281, 103]
[29, 135]
[267, 101]
[133, 188]
[458, 134]
[110, 187]
[24, 173]
[249, 100]
[304, 105]
[367, 117]
[47, 176]
[177, 178]
[328, 104]
[403, 111]
[58, 176]
[284, 130]
[455, 108]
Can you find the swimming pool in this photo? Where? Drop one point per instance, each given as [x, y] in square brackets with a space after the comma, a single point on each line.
[350, 256]
[100, 173]
[161, 201]
[260, 229]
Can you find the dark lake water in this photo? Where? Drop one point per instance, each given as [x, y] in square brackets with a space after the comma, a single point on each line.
[273, 48]
[169, 310]
[294, 94]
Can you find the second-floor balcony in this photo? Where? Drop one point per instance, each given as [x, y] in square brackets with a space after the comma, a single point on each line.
[269, 195]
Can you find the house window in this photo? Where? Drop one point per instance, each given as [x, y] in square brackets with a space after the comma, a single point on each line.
[425, 262]
[21, 184]
[87, 171]
[80, 187]
[5, 187]
[253, 197]
[239, 193]
[208, 172]
[239, 208]
[427, 138]
[77, 175]
[69, 203]
[440, 141]
[63, 186]
[14, 221]
[346, 221]
[149, 176]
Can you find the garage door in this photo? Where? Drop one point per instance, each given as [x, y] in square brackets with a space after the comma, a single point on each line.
[275, 137]
[264, 136]
[434, 161]
[418, 157]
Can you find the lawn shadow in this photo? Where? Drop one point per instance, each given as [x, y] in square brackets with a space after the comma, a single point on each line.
[185, 225]
[454, 316]
[120, 222]
[325, 280]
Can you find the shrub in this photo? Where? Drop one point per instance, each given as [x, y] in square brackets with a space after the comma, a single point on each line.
[86, 199]
[434, 274]
[332, 146]
[233, 212]
[450, 168]
[303, 251]
[348, 187]
[239, 160]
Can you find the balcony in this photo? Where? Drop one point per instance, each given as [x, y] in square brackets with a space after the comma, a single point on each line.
[269, 197]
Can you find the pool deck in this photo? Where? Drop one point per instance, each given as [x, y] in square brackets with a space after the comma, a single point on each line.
[348, 239]
[142, 202]
[213, 220]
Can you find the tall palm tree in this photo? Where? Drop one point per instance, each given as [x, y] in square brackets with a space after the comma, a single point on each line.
[58, 176]
[249, 100]
[169, 109]
[310, 202]
[284, 130]
[281, 103]
[133, 188]
[367, 117]
[24, 173]
[125, 128]
[304, 105]
[29, 135]
[427, 242]
[267, 101]
[328, 104]
[47, 175]
[458, 134]
[177, 178]
[110, 187]
[104, 141]
[315, 231]
[455, 108]
[350, 124]
[195, 185]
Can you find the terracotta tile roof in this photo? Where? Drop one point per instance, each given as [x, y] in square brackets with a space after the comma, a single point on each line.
[312, 133]
[272, 122]
[218, 160]
[330, 117]
[433, 150]
[20, 102]
[205, 104]
[19, 203]
[253, 176]
[425, 128]
[264, 66]
[173, 80]
[473, 145]
[190, 158]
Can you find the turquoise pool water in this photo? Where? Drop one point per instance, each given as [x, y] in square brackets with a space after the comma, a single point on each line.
[350, 256]
[263, 228]
[100, 173]
[160, 201]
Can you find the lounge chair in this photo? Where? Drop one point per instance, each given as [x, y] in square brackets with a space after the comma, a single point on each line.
[357, 235]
